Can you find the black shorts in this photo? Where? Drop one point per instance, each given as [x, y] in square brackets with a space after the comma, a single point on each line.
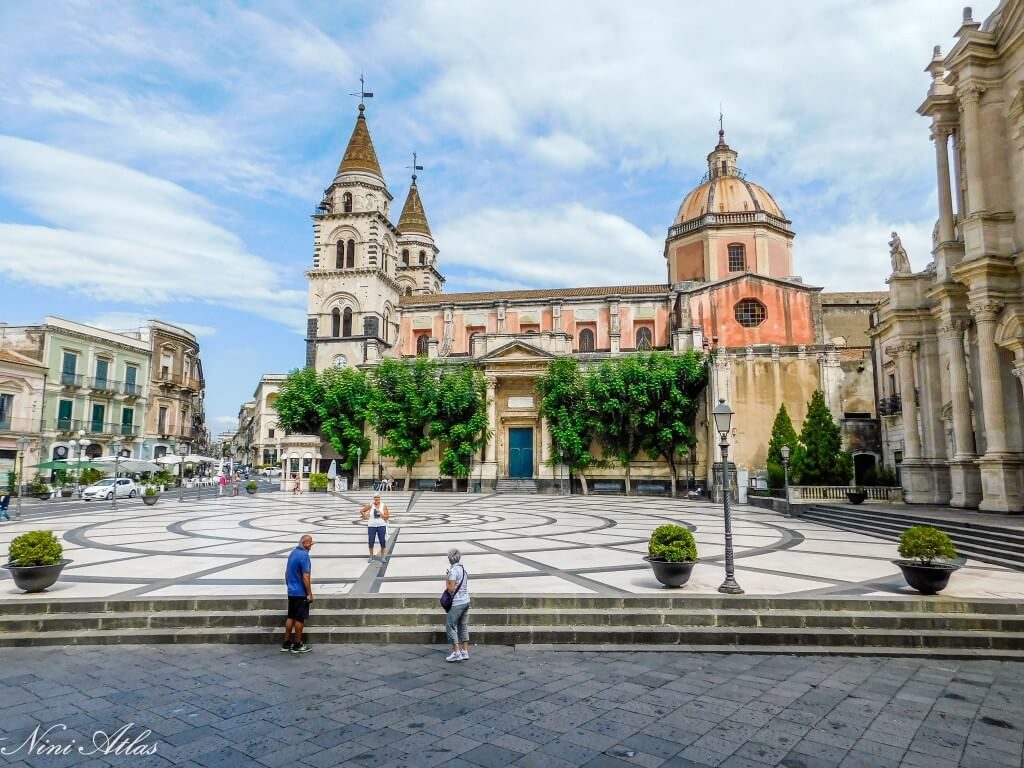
[298, 609]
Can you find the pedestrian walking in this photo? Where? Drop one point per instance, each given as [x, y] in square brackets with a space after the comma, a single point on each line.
[457, 625]
[376, 516]
[297, 577]
[236, 484]
[297, 488]
[5, 502]
[222, 482]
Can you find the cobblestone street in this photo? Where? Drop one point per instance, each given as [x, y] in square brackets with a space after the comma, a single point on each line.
[403, 706]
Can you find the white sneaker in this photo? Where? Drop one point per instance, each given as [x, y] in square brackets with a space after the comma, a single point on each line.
[464, 656]
[454, 656]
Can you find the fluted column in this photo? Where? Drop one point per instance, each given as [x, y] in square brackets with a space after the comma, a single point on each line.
[492, 419]
[970, 103]
[986, 314]
[952, 335]
[941, 137]
[904, 353]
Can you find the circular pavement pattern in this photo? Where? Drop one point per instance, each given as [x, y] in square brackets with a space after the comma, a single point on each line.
[510, 544]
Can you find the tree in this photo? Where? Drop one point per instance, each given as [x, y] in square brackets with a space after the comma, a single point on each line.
[460, 421]
[299, 401]
[564, 403]
[820, 458]
[343, 410]
[782, 434]
[402, 407]
[620, 394]
[676, 382]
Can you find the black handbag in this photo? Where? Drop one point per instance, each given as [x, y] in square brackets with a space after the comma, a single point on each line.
[447, 597]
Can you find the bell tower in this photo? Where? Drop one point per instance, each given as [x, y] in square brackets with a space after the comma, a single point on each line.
[353, 288]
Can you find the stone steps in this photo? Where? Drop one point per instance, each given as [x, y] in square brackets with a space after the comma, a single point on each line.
[516, 485]
[988, 543]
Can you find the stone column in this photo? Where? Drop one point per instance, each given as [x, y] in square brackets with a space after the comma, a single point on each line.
[545, 448]
[492, 419]
[970, 103]
[941, 137]
[986, 313]
[904, 354]
[952, 335]
[1018, 367]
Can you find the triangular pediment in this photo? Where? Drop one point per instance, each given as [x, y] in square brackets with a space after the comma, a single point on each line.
[516, 350]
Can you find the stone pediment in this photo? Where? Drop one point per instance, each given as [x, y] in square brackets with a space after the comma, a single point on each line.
[517, 350]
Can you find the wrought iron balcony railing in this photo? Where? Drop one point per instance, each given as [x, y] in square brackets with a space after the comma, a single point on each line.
[890, 406]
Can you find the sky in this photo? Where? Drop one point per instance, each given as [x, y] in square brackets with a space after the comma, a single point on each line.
[162, 160]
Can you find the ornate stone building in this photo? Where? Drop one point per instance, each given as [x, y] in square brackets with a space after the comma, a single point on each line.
[375, 290]
[950, 338]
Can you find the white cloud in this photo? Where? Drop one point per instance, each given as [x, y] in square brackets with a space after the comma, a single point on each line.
[128, 321]
[119, 235]
[569, 245]
[226, 421]
[563, 150]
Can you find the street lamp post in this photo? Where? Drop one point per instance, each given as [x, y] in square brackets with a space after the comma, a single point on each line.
[785, 468]
[79, 445]
[22, 445]
[116, 448]
[359, 457]
[723, 420]
[182, 450]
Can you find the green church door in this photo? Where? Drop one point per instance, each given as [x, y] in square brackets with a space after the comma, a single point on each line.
[520, 452]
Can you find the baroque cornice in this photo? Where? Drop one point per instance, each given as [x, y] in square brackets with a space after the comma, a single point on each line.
[901, 348]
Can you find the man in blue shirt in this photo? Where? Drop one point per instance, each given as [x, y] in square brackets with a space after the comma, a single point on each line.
[300, 595]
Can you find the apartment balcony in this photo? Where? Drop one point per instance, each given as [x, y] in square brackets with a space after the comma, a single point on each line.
[99, 428]
[18, 425]
[890, 406]
[168, 378]
[105, 386]
[72, 380]
[131, 390]
[191, 383]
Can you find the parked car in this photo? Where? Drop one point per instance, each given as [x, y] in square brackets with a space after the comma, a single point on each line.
[104, 489]
[272, 472]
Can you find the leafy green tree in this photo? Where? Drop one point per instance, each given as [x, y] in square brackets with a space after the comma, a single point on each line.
[820, 458]
[403, 403]
[299, 402]
[343, 411]
[571, 422]
[783, 433]
[676, 382]
[621, 394]
[460, 420]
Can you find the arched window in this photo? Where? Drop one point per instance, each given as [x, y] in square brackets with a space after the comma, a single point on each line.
[350, 254]
[422, 344]
[644, 338]
[405, 256]
[335, 322]
[346, 202]
[586, 343]
[339, 259]
[387, 320]
[737, 257]
[346, 322]
[750, 313]
[408, 290]
[423, 258]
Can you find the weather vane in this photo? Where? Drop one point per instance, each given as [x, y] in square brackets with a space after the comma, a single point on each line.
[363, 93]
[414, 166]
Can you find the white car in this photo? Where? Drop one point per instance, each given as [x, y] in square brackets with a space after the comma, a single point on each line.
[272, 472]
[104, 489]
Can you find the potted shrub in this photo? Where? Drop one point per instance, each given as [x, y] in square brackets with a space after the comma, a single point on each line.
[672, 553]
[41, 491]
[250, 487]
[150, 496]
[858, 495]
[922, 546]
[35, 560]
[318, 481]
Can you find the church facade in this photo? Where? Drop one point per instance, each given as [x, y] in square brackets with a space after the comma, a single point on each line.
[376, 291]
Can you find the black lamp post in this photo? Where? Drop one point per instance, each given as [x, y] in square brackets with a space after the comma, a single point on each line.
[723, 422]
[21, 444]
[785, 468]
[182, 450]
[115, 448]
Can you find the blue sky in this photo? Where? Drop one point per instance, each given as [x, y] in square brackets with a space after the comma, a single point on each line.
[164, 161]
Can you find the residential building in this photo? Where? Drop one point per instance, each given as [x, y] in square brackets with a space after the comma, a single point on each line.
[176, 412]
[949, 338]
[22, 383]
[266, 448]
[243, 441]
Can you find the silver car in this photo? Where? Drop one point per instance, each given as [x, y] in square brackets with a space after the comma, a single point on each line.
[105, 488]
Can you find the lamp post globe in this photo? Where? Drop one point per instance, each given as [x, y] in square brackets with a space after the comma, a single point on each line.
[723, 424]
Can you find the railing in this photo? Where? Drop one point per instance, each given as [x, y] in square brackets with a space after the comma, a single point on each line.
[718, 219]
[890, 406]
[838, 492]
[19, 424]
[100, 428]
[132, 390]
[71, 379]
[104, 385]
[188, 382]
[169, 377]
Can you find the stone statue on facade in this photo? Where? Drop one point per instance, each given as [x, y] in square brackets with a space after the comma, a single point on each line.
[898, 256]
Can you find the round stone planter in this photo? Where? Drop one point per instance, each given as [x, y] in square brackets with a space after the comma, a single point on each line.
[856, 498]
[67, 493]
[149, 501]
[44, 496]
[926, 579]
[670, 574]
[36, 578]
[250, 491]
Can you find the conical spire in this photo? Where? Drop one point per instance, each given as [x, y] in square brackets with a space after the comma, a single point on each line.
[360, 155]
[413, 218]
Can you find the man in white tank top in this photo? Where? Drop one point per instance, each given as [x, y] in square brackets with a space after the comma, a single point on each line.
[376, 516]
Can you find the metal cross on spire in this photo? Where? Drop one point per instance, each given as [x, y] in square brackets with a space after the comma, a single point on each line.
[363, 93]
[414, 167]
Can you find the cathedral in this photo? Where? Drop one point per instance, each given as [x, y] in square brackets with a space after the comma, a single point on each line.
[376, 291]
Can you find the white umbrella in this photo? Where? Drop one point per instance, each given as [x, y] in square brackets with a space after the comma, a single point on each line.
[127, 465]
[169, 460]
[332, 471]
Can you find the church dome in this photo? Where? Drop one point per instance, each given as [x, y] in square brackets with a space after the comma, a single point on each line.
[726, 190]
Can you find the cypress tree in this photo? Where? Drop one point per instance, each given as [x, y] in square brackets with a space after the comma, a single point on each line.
[782, 434]
[820, 458]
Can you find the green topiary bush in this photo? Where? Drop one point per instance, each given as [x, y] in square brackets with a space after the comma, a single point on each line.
[924, 543]
[90, 476]
[672, 543]
[318, 481]
[251, 485]
[151, 490]
[35, 548]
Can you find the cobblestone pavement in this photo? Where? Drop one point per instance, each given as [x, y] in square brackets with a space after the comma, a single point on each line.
[403, 706]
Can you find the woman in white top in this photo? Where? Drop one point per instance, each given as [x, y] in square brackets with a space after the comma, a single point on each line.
[376, 516]
[457, 583]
